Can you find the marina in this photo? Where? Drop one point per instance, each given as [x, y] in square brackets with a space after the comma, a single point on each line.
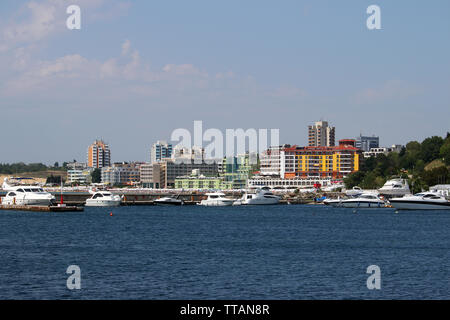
[35, 208]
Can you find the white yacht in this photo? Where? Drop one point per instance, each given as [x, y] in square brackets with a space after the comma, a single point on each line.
[103, 199]
[217, 199]
[365, 200]
[333, 202]
[395, 187]
[421, 201]
[260, 197]
[27, 195]
[168, 201]
[355, 191]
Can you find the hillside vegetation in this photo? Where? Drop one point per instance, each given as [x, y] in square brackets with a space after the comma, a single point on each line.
[423, 164]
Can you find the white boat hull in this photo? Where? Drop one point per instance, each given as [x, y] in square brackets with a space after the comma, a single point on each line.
[409, 205]
[168, 203]
[261, 201]
[216, 203]
[362, 204]
[27, 202]
[103, 203]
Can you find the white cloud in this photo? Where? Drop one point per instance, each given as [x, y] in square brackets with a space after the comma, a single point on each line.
[38, 20]
[126, 47]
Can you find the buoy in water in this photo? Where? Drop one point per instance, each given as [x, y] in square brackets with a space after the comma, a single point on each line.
[111, 214]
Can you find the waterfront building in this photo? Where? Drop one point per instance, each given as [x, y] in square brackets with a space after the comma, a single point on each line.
[319, 162]
[160, 150]
[374, 152]
[98, 155]
[291, 183]
[79, 176]
[321, 135]
[122, 173]
[295, 162]
[188, 155]
[152, 175]
[270, 161]
[172, 170]
[162, 175]
[77, 165]
[197, 181]
[235, 171]
[366, 143]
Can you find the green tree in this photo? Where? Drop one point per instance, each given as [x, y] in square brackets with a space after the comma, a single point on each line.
[96, 176]
[419, 166]
[417, 185]
[445, 151]
[431, 148]
[439, 175]
[354, 179]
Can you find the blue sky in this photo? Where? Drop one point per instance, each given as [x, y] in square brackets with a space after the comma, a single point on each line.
[137, 70]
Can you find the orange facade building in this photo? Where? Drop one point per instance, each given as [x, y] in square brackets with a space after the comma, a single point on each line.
[98, 155]
[320, 162]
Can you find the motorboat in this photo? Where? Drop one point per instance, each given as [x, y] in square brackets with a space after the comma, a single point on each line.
[168, 201]
[217, 199]
[421, 201]
[260, 197]
[355, 191]
[27, 195]
[395, 187]
[333, 202]
[103, 199]
[365, 200]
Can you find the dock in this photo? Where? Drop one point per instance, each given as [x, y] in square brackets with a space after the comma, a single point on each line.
[41, 208]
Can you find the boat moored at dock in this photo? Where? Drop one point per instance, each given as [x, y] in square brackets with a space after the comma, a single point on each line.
[217, 199]
[421, 201]
[262, 196]
[103, 199]
[395, 187]
[168, 201]
[27, 196]
[365, 200]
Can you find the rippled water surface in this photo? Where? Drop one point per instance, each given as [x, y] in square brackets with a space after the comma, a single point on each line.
[192, 252]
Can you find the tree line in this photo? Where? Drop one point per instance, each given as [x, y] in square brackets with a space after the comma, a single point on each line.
[423, 164]
[20, 167]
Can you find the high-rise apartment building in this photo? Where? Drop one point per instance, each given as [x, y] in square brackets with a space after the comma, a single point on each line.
[160, 150]
[98, 155]
[321, 135]
[366, 143]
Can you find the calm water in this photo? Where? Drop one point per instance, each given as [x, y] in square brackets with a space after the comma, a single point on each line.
[192, 252]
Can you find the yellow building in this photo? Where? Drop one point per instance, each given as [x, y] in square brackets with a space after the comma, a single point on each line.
[321, 162]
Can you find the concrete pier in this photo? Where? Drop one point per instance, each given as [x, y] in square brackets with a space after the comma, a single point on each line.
[41, 208]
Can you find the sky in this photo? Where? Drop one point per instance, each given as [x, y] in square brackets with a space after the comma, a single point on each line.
[138, 70]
